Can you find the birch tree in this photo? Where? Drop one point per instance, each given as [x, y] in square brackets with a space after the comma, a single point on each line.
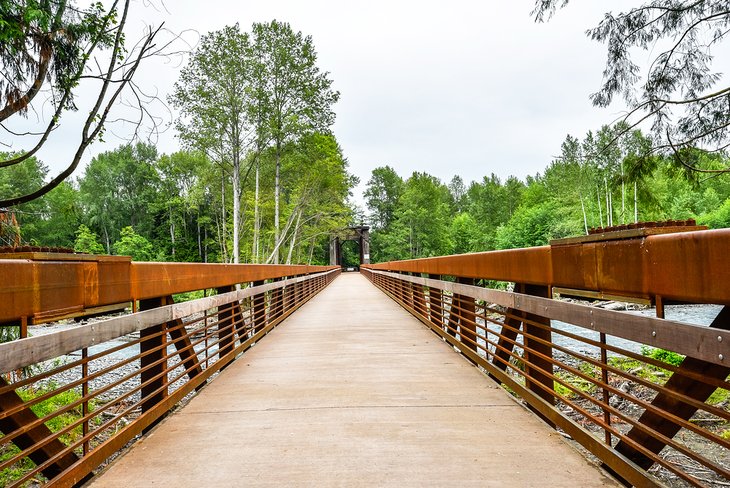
[213, 95]
[298, 96]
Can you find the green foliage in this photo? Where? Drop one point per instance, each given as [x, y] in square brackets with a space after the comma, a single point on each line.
[717, 218]
[383, 191]
[530, 226]
[592, 184]
[663, 355]
[678, 94]
[59, 422]
[132, 244]
[87, 241]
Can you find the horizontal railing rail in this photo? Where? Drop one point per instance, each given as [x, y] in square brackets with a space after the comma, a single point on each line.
[70, 399]
[582, 369]
[686, 267]
[43, 287]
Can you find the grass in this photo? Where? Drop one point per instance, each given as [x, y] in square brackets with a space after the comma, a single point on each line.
[42, 409]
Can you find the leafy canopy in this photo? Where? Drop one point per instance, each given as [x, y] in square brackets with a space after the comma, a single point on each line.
[680, 93]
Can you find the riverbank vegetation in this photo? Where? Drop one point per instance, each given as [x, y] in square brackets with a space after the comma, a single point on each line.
[594, 182]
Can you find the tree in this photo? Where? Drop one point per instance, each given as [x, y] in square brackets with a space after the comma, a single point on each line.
[457, 188]
[422, 222]
[384, 189]
[298, 97]
[62, 45]
[486, 205]
[679, 94]
[213, 95]
[316, 185]
[132, 244]
[118, 189]
[180, 203]
[87, 241]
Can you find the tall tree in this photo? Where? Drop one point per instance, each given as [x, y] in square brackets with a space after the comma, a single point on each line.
[214, 94]
[383, 191]
[679, 92]
[299, 97]
[119, 188]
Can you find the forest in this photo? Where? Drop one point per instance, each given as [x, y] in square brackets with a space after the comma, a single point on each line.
[259, 176]
[607, 178]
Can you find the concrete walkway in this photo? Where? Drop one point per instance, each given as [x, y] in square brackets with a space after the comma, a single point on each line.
[352, 391]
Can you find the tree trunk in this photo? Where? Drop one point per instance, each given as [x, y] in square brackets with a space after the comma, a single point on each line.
[609, 219]
[294, 238]
[623, 195]
[598, 197]
[256, 223]
[585, 219]
[200, 247]
[205, 245]
[106, 238]
[223, 238]
[636, 205]
[172, 234]
[236, 205]
[311, 252]
[277, 245]
[276, 203]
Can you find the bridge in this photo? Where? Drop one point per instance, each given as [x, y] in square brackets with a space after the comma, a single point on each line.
[420, 372]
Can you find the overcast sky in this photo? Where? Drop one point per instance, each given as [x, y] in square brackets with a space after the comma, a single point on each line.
[459, 87]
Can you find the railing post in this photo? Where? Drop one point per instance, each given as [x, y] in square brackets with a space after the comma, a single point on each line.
[681, 384]
[508, 335]
[435, 303]
[419, 298]
[539, 327]
[229, 318]
[287, 298]
[19, 420]
[259, 309]
[152, 350]
[277, 302]
[467, 320]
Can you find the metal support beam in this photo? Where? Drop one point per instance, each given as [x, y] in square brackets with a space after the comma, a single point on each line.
[259, 309]
[153, 358]
[467, 319]
[672, 406]
[19, 420]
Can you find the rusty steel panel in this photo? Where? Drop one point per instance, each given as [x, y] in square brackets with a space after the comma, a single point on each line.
[55, 285]
[689, 267]
[158, 279]
[530, 265]
[692, 266]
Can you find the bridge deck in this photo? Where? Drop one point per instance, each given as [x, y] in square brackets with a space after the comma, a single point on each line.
[351, 390]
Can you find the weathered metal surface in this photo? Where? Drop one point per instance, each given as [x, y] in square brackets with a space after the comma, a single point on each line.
[531, 265]
[632, 231]
[688, 266]
[150, 380]
[46, 286]
[685, 385]
[523, 351]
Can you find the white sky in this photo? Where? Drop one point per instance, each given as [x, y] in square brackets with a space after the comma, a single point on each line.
[460, 87]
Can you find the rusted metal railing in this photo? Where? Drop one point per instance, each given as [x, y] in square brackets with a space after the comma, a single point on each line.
[581, 368]
[71, 399]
